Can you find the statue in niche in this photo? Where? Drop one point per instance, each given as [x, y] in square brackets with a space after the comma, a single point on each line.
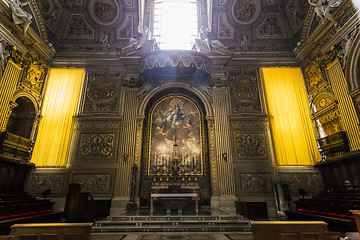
[323, 7]
[105, 39]
[205, 36]
[346, 46]
[20, 16]
[4, 54]
[140, 40]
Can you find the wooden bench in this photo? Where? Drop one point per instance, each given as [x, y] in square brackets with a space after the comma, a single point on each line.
[49, 231]
[292, 230]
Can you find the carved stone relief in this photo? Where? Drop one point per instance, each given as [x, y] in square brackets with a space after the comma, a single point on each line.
[310, 182]
[50, 10]
[225, 30]
[296, 11]
[249, 145]
[35, 75]
[102, 93]
[39, 182]
[249, 125]
[244, 92]
[79, 28]
[246, 11]
[314, 77]
[94, 183]
[271, 27]
[96, 145]
[107, 125]
[255, 182]
[126, 30]
[104, 12]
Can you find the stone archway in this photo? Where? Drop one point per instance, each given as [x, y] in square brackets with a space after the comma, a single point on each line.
[22, 118]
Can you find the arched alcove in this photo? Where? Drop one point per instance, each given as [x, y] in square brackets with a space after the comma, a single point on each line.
[22, 118]
[175, 118]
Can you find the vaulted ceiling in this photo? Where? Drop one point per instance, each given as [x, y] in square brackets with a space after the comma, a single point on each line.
[241, 25]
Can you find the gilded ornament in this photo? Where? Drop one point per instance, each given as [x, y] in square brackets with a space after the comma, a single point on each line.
[35, 75]
[102, 94]
[97, 183]
[244, 92]
[96, 145]
[250, 145]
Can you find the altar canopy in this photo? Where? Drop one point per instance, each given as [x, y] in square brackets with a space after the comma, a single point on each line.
[175, 133]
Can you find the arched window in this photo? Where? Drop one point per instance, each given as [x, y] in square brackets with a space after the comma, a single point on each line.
[175, 24]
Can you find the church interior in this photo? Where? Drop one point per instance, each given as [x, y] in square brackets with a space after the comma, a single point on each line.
[180, 119]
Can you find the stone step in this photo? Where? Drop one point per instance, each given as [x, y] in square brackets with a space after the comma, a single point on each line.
[172, 218]
[161, 224]
[173, 228]
[107, 223]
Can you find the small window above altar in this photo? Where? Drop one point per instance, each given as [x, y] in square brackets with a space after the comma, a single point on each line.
[175, 24]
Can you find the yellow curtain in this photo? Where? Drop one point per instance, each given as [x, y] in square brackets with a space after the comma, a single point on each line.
[56, 123]
[291, 127]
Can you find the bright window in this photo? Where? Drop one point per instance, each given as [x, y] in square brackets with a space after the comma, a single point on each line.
[175, 24]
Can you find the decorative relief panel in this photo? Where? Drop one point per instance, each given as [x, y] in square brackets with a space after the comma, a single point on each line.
[79, 28]
[126, 30]
[249, 125]
[310, 182]
[296, 11]
[39, 182]
[244, 92]
[94, 183]
[108, 125]
[271, 27]
[255, 182]
[50, 10]
[250, 145]
[35, 75]
[246, 11]
[225, 31]
[102, 93]
[96, 145]
[314, 76]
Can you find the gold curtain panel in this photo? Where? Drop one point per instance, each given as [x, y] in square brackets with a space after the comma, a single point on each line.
[60, 104]
[291, 127]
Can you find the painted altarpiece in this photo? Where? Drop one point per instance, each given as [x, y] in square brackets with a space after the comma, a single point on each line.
[175, 131]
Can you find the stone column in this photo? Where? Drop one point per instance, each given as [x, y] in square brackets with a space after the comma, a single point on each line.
[346, 106]
[224, 156]
[126, 158]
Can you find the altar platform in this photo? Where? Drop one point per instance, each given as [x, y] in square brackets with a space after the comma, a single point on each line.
[206, 224]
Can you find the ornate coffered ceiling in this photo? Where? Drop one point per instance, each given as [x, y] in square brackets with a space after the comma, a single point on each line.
[98, 26]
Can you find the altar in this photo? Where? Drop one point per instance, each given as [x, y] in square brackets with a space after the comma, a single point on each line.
[174, 201]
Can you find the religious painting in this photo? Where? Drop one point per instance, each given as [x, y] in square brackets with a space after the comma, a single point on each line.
[175, 137]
